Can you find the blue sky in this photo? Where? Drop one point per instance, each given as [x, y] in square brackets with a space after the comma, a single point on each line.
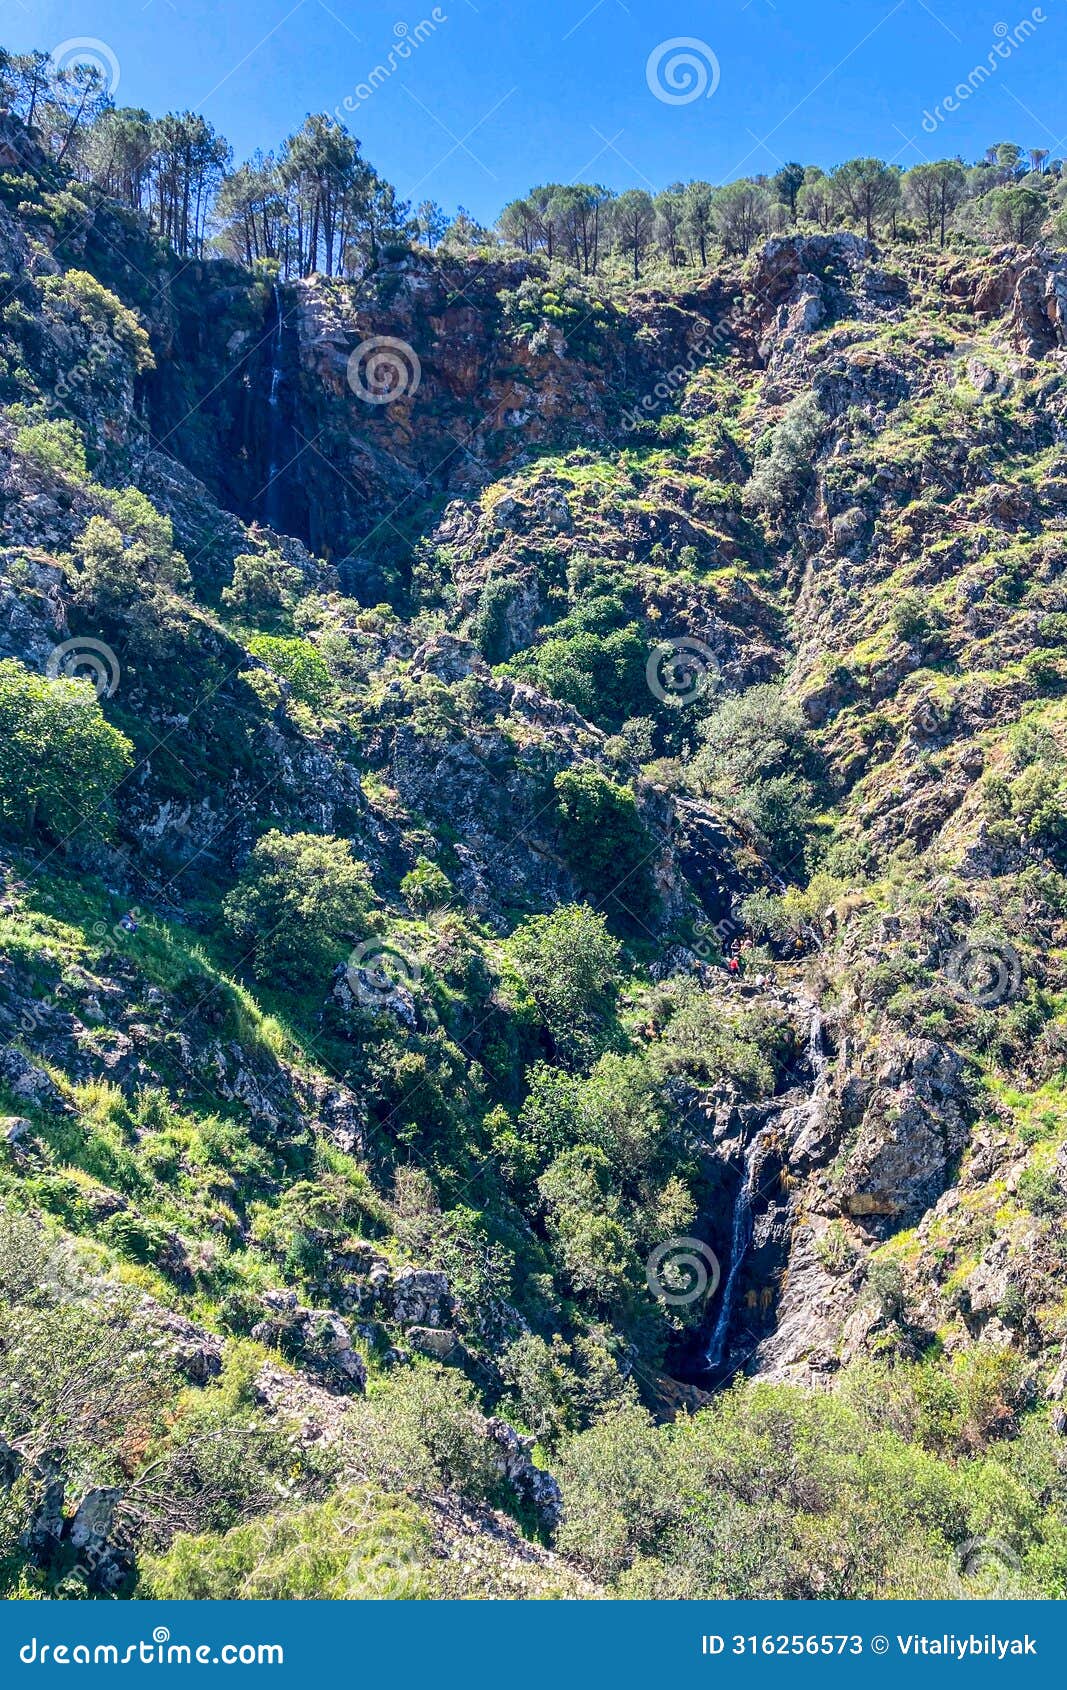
[503, 93]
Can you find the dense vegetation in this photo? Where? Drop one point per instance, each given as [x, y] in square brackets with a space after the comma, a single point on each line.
[375, 1096]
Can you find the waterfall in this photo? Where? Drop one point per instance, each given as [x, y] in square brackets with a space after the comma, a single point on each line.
[272, 491]
[739, 1242]
[819, 1063]
[808, 1117]
[803, 1117]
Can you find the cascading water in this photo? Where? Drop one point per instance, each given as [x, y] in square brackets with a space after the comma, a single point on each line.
[801, 1118]
[739, 1242]
[272, 491]
[819, 1063]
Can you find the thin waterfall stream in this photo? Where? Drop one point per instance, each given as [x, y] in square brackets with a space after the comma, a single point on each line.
[740, 1240]
[803, 1117]
[272, 490]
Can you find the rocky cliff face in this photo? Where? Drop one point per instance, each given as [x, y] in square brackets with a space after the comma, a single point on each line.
[486, 626]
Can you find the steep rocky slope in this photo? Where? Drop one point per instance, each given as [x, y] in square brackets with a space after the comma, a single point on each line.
[364, 1004]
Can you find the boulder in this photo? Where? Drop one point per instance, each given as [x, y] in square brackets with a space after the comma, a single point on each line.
[317, 1340]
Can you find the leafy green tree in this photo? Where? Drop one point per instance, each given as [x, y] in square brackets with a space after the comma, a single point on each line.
[933, 192]
[122, 564]
[670, 223]
[300, 899]
[264, 587]
[605, 840]
[188, 159]
[61, 760]
[697, 220]
[788, 182]
[250, 210]
[94, 311]
[620, 1488]
[116, 153]
[817, 198]
[594, 658]
[869, 191]
[1013, 214]
[740, 212]
[587, 1225]
[431, 222]
[25, 82]
[754, 763]
[55, 447]
[299, 664]
[568, 962]
[785, 456]
[633, 218]
[577, 212]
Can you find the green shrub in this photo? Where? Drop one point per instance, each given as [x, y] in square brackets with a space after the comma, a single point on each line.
[54, 447]
[79, 297]
[569, 964]
[264, 587]
[299, 664]
[593, 659]
[62, 761]
[298, 906]
[605, 840]
[756, 763]
[785, 458]
[120, 565]
[359, 1546]
[426, 887]
[1041, 1192]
